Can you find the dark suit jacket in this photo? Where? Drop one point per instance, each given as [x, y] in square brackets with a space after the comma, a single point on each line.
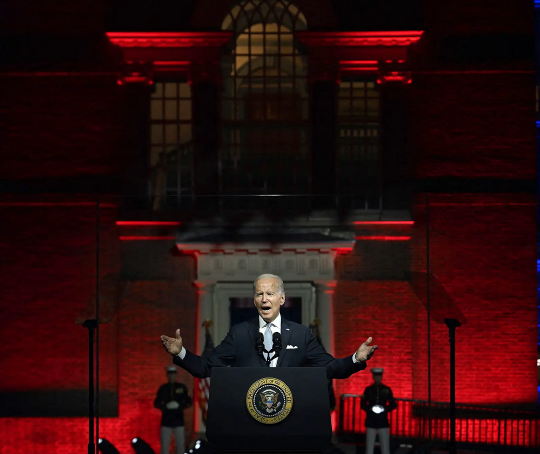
[238, 350]
[165, 394]
[377, 395]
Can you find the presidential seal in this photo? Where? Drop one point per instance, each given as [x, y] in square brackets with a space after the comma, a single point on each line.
[269, 400]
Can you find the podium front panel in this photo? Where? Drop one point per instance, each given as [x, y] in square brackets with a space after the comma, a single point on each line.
[231, 427]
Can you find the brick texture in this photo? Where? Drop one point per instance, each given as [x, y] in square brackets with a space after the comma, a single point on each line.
[461, 125]
[481, 251]
[482, 247]
[48, 280]
[69, 126]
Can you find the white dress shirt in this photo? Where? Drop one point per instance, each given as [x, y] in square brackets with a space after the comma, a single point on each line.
[275, 328]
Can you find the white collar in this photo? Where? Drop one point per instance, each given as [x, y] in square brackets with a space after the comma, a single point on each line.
[276, 322]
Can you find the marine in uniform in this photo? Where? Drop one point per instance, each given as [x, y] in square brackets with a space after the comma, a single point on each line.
[172, 398]
[377, 401]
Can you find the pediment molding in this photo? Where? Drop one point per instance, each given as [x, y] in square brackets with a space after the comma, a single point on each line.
[169, 39]
[293, 262]
[369, 38]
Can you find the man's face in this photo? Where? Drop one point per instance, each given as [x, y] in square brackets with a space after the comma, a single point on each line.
[267, 298]
[377, 378]
[171, 376]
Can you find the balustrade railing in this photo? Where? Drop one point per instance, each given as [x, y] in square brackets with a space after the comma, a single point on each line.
[497, 428]
[172, 183]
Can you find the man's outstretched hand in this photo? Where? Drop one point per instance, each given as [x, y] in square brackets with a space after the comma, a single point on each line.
[365, 351]
[172, 344]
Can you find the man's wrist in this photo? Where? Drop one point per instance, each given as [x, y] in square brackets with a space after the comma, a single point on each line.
[356, 360]
[182, 353]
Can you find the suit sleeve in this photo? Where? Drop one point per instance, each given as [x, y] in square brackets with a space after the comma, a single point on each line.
[317, 356]
[391, 401]
[158, 401]
[201, 367]
[187, 400]
[364, 401]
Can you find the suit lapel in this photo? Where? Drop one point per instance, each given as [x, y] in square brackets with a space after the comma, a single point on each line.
[286, 332]
[253, 329]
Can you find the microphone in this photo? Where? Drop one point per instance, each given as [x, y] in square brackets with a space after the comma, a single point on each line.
[259, 343]
[276, 342]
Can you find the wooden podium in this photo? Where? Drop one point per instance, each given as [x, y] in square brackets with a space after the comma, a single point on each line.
[269, 409]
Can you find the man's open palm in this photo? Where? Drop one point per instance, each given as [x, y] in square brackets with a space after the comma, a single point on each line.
[172, 344]
[365, 351]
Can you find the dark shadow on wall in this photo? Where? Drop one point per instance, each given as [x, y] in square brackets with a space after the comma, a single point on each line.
[55, 403]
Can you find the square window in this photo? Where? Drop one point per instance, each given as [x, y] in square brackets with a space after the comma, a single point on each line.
[156, 134]
[171, 112]
[171, 90]
[184, 109]
[156, 110]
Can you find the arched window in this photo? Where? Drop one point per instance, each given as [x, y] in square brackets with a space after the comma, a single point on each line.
[264, 101]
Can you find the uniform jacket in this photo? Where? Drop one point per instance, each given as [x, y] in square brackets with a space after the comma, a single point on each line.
[377, 395]
[238, 350]
[167, 393]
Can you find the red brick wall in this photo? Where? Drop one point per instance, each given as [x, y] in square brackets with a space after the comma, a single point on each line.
[47, 281]
[482, 250]
[154, 308]
[472, 125]
[383, 310]
[61, 127]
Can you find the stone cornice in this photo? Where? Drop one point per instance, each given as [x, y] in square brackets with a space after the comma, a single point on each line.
[293, 264]
[216, 39]
[341, 247]
[347, 39]
[169, 39]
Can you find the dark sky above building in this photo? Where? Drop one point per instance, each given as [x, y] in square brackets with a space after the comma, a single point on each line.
[161, 15]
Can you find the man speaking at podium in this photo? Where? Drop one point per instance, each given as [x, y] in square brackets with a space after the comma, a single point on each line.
[268, 340]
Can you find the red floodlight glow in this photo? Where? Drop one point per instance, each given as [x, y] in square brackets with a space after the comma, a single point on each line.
[382, 238]
[147, 223]
[383, 222]
[145, 238]
[359, 65]
[343, 250]
[168, 39]
[395, 76]
[369, 38]
[171, 63]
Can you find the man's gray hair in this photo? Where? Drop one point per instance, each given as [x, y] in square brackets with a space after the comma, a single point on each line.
[270, 276]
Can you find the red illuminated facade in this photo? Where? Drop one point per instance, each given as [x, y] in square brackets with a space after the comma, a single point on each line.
[366, 114]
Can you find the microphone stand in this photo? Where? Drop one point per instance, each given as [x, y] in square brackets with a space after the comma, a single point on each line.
[268, 360]
[276, 349]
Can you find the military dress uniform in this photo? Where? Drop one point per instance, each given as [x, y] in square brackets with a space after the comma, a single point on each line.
[172, 420]
[381, 395]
